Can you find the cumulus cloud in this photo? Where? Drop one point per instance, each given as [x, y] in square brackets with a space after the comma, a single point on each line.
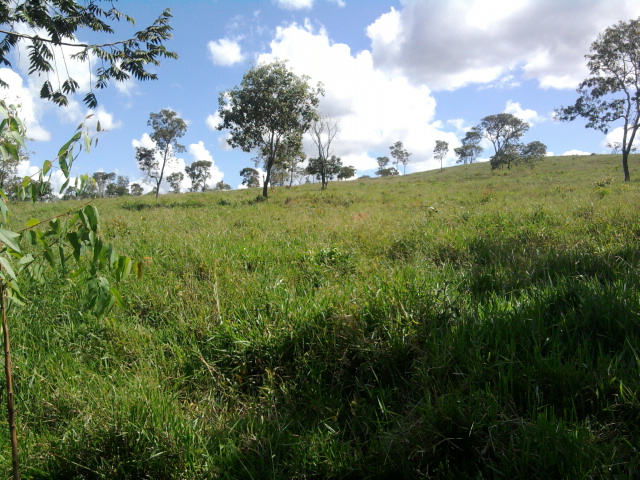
[447, 45]
[225, 52]
[575, 152]
[615, 136]
[375, 109]
[528, 115]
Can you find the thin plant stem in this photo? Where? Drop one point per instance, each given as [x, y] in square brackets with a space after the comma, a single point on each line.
[7, 371]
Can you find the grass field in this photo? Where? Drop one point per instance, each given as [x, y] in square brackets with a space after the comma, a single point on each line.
[455, 324]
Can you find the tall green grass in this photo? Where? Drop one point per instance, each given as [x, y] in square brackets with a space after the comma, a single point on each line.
[455, 324]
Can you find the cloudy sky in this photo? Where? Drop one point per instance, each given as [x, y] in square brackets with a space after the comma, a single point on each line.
[410, 70]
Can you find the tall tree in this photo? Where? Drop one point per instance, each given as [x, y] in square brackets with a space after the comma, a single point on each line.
[503, 130]
[346, 172]
[532, 153]
[400, 154]
[136, 189]
[199, 172]
[470, 149]
[271, 104]
[55, 23]
[611, 92]
[440, 151]
[383, 169]
[323, 131]
[221, 186]
[119, 188]
[175, 179]
[168, 127]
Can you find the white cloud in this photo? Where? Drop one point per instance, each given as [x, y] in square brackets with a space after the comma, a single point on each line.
[375, 109]
[575, 152]
[213, 121]
[294, 4]
[528, 115]
[30, 108]
[225, 52]
[615, 136]
[447, 45]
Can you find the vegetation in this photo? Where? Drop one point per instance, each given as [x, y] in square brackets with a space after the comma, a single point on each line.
[271, 107]
[470, 149]
[440, 151]
[400, 155]
[422, 325]
[611, 93]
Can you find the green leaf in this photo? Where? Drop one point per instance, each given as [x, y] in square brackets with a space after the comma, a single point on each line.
[10, 239]
[8, 268]
[32, 222]
[46, 167]
[124, 268]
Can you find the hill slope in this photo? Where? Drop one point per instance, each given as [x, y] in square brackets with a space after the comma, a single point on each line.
[449, 324]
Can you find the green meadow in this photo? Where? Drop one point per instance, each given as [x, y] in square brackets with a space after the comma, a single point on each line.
[454, 324]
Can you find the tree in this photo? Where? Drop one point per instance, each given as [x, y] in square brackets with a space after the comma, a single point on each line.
[250, 177]
[119, 188]
[383, 170]
[615, 147]
[400, 154]
[324, 170]
[470, 149]
[440, 151]
[532, 153]
[175, 179]
[199, 173]
[9, 163]
[61, 19]
[611, 92]
[168, 127]
[102, 179]
[221, 186]
[346, 172]
[503, 131]
[136, 189]
[323, 131]
[271, 104]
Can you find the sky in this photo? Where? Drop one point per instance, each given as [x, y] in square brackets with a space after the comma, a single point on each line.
[414, 71]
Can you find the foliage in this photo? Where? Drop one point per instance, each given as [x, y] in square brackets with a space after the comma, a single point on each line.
[175, 179]
[199, 172]
[324, 169]
[532, 153]
[503, 130]
[611, 92]
[383, 169]
[440, 151]
[136, 189]
[271, 105]
[61, 19]
[400, 155]
[102, 179]
[470, 149]
[222, 186]
[168, 127]
[346, 172]
[250, 177]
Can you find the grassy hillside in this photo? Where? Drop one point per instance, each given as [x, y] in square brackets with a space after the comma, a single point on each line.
[455, 324]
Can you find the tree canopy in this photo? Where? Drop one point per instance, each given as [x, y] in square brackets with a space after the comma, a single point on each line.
[55, 23]
[470, 149]
[400, 155]
[440, 151]
[271, 104]
[504, 131]
[611, 92]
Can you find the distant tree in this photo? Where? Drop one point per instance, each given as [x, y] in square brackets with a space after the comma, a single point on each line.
[175, 179]
[470, 149]
[119, 188]
[440, 151]
[324, 169]
[383, 170]
[250, 177]
[611, 92]
[199, 172]
[102, 180]
[532, 153]
[221, 186]
[136, 189]
[615, 147]
[168, 127]
[346, 172]
[271, 104]
[400, 154]
[323, 132]
[503, 130]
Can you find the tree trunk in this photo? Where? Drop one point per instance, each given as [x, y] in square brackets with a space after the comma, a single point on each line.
[625, 163]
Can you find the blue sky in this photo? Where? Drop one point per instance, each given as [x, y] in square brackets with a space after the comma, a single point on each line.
[413, 70]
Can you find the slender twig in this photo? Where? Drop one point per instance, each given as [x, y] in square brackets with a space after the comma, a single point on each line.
[68, 44]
